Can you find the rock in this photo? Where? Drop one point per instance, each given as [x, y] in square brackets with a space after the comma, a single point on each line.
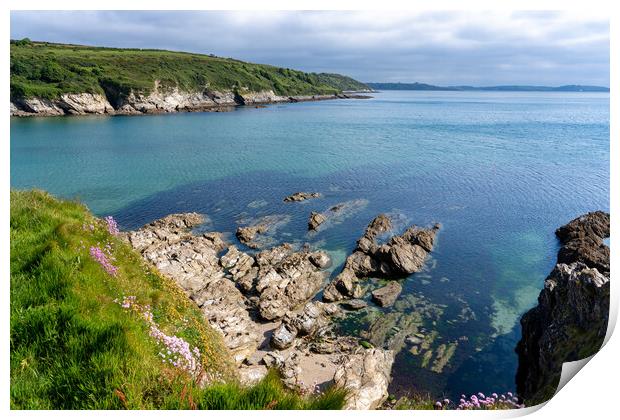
[192, 262]
[344, 286]
[366, 376]
[288, 367]
[316, 219]
[283, 336]
[320, 259]
[400, 256]
[355, 304]
[301, 196]
[386, 296]
[570, 321]
[251, 375]
[242, 267]
[314, 316]
[254, 235]
[247, 234]
[288, 282]
[582, 240]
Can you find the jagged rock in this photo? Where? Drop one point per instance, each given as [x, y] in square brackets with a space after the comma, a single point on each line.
[366, 376]
[283, 336]
[288, 367]
[288, 282]
[251, 375]
[247, 234]
[386, 296]
[192, 262]
[241, 266]
[255, 234]
[320, 259]
[344, 286]
[355, 304]
[400, 256]
[316, 219]
[301, 196]
[570, 321]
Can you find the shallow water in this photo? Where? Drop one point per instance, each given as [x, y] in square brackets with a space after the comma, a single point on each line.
[500, 171]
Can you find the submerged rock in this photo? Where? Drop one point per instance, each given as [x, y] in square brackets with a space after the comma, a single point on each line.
[386, 296]
[301, 196]
[257, 233]
[366, 376]
[570, 321]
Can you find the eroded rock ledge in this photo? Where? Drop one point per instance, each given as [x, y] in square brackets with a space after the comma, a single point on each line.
[158, 101]
[570, 321]
[262, 305]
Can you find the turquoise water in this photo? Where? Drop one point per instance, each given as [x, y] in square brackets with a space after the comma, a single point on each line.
[500, 171]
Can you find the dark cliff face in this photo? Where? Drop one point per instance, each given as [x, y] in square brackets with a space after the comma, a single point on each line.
[570, 321]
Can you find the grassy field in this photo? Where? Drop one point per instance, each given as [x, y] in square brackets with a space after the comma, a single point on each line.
[47, 70]
[76, 345]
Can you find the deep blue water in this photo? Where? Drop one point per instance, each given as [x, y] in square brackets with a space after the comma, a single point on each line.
[500, 170]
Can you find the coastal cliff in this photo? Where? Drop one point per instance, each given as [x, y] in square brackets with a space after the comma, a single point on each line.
[57, 79]
[570, 321]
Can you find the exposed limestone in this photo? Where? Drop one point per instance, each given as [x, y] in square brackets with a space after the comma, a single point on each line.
[366, 376]
[301, 196]
[570, 321]
[70, 103]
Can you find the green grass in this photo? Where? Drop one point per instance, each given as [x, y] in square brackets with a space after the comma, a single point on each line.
[47, 70]
[74, 347]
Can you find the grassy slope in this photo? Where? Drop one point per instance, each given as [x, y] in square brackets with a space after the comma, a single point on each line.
[48, 70]
[73, 347]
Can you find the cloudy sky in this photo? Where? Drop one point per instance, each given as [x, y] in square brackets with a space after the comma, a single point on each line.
[447, 48]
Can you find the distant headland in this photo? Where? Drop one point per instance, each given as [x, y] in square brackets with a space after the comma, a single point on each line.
[501, 88]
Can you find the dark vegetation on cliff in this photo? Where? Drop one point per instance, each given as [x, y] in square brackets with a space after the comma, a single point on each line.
[47, 70]
[80, 337]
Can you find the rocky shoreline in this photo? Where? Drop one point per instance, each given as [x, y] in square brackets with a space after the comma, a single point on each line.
[157, 102]
[264, 302]
[570, 321]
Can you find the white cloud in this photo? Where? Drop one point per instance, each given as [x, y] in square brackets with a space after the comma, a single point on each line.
[434, 47]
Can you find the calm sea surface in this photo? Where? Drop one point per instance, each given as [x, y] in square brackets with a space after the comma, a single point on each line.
[500, 171]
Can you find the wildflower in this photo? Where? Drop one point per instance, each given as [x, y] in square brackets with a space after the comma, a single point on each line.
[111, 225]
[438, 406]
[99, 256]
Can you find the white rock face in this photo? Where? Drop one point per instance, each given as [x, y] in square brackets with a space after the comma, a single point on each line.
[70, 103]
[366, 376]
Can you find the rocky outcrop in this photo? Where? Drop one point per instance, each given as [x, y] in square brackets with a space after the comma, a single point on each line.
[316, 219]
[301, 196]
[398, 257]
[386, 295]
[315, 315]
[287, 284]
[366, 376]
[259, 232]
[192, 262]
[72, 104]
[570, 321]
[159, 100]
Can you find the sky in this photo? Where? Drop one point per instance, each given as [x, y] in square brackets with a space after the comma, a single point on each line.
[443, 48]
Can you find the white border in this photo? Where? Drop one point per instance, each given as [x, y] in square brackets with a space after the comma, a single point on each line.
[591, 395]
